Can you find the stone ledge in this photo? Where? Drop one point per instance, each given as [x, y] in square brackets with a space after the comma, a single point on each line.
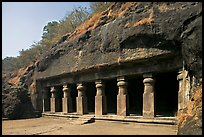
[137, 119]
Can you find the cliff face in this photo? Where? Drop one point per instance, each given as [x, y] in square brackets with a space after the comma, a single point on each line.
[128, 32]
[16, 99]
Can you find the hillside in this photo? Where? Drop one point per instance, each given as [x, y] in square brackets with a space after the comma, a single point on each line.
[174, 26]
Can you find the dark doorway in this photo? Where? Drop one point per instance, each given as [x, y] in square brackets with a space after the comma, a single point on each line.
[135, 91]
[166, 94]
[74, 94]
[111, 91]
[90, 94]
[59, 96]
[48, 98]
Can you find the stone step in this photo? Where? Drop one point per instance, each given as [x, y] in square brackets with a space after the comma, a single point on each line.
[83, 119]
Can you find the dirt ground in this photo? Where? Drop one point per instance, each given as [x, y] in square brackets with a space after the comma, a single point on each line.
[62, 126]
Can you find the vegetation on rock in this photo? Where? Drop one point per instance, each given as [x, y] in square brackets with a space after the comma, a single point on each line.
[178, 23]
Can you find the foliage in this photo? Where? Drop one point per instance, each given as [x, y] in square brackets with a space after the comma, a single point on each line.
[9, 63]
[99, 6]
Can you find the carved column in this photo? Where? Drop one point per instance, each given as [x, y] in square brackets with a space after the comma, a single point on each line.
[122, 98]
[148, 96]
[66, 100]
[46, 102]
[53, 102]
[184, 88]
[81, 100]
[100, 99]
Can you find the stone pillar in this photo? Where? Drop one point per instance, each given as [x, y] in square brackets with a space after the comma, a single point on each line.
[46, 102]
[122, 98]
[66, 100]
[81, 100]
[184, 88]
[53, 100]
[148, 96]
[100, 99]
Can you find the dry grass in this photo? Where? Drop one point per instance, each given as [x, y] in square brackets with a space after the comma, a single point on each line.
[125, 7]
[15, 80]
[145, 20]
[163, 7]
[97, 19]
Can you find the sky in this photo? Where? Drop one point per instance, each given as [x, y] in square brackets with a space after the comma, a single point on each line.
[23, 22]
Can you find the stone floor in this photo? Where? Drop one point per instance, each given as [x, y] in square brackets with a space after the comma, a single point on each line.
[65, 126]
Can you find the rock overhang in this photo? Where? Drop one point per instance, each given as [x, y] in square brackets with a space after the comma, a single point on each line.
[134, 37]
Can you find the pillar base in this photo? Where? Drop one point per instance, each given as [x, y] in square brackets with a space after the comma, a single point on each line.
[100, 105]
[148, 105]
[54, 105]
[122, 105]
[81, 105]
[66, 105]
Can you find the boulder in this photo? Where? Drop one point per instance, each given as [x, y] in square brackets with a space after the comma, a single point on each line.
[16, 103]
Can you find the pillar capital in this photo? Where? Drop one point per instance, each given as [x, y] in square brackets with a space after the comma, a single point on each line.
[122, 85]
[100, 88]
[148, 75]
[148, 81]
[99, 84]
[121, 78]
[66, 91]
[80, 87]
[121, 81]
[53, 90]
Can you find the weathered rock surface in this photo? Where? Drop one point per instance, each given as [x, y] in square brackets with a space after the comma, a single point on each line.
[125, 32]
[191, 119]
[16, 103]
[141, 30]
[16, 100]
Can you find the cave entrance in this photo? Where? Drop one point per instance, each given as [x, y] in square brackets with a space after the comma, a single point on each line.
[111, 91]
[59, 96]
[166, 94]
[74, 94]
[90, 94]
[135, 90]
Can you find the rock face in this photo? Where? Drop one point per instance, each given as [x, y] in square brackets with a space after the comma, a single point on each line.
[140, 30]
[191, 119]
[124, 33]
[16, 103]
[16, 100]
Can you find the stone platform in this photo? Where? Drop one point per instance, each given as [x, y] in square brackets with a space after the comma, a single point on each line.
[113, 117]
